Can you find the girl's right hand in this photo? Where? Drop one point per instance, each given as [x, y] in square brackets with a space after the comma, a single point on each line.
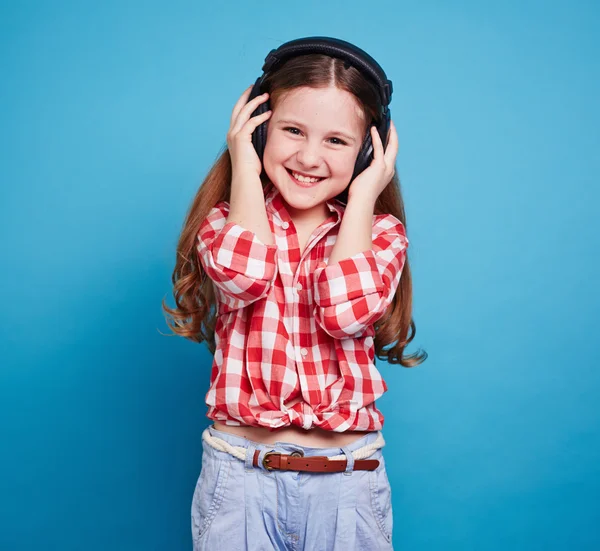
[239, 137]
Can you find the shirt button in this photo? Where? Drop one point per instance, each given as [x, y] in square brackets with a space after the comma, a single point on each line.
[299, 287]
[304, 352]
[285, 225]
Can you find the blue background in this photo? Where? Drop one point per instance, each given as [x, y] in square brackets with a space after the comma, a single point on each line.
[112, 114]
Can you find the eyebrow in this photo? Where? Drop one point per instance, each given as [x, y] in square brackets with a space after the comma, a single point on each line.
[338, 132]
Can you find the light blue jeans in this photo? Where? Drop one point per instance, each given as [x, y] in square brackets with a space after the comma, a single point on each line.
[238, 507]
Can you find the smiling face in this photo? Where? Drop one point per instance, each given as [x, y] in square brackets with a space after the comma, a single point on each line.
[315, 132]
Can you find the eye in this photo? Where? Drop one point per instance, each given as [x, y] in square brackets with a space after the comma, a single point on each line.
[292, 128]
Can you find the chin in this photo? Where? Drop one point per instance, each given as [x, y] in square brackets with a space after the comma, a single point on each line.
[300, 200]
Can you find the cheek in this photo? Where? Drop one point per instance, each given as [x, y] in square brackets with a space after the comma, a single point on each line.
[274, 156]
[274, 151]
[344, 164]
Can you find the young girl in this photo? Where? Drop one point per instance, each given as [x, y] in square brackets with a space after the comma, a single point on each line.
[297, 238]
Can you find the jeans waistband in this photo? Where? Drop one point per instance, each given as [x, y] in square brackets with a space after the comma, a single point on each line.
[288, 447]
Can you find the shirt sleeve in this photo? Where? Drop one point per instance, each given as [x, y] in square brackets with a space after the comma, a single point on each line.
[352, 294]
[242, 267]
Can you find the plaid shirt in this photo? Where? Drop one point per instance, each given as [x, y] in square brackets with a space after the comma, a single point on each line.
[291, 325]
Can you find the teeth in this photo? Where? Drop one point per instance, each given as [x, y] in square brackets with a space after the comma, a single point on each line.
[301, 178]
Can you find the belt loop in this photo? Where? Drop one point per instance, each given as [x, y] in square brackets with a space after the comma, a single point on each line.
[249, 456]
[350, 461]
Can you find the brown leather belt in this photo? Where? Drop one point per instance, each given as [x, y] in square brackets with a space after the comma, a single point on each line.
[315, 464]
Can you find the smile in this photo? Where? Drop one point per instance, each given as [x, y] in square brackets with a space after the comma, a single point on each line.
[305, 182]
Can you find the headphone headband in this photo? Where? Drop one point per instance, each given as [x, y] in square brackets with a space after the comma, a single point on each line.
[333, 47]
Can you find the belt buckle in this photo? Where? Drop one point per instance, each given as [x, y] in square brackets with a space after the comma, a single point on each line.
[296, 453]
[265, 460]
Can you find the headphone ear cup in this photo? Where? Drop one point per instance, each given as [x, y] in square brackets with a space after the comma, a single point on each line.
[259, 135]
[363, 160]
[365, 155]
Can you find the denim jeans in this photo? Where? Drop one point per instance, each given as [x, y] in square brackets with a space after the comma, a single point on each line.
[238, 507]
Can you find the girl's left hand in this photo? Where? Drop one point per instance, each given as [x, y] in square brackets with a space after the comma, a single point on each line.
[375, 178]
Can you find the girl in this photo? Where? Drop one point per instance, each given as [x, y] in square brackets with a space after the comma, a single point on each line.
[303, 256]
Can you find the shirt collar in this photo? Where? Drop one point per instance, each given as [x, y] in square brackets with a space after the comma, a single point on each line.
[275, 203]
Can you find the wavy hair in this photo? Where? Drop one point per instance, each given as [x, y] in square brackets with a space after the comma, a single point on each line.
[194, 315]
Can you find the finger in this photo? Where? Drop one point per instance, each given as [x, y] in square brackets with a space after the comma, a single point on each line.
[247, 110]
[377, 145]
[392, 148]
[242, 100]
[253, 122]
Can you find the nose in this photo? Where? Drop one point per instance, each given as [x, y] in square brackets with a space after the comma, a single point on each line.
[309, 154]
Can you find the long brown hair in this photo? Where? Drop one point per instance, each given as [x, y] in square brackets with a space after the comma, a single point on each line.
[194, 316]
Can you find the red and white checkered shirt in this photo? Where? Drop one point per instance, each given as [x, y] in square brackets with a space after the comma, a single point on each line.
[291, 325]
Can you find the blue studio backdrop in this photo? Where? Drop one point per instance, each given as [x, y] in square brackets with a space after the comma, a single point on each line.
[112, 114]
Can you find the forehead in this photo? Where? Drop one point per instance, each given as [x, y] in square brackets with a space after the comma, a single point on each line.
[325, 108]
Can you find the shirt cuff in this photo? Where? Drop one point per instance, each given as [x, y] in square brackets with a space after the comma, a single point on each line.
[240, 250]
[348, 279]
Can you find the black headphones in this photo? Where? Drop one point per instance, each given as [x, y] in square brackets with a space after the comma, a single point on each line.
[352, 55]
